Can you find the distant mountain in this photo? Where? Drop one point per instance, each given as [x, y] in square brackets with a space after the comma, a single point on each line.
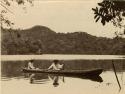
[43, 40]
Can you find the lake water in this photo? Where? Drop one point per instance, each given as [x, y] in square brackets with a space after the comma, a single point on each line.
[14, 81]
[22, 85]
[61, 57]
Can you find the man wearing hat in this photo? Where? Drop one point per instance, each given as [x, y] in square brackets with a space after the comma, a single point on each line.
[55, 65]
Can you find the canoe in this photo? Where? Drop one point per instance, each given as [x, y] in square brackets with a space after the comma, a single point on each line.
[92, 72]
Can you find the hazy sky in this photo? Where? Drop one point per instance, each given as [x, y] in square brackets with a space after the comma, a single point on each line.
[61, 16]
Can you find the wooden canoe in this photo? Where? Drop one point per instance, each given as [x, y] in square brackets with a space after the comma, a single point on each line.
[92, 72]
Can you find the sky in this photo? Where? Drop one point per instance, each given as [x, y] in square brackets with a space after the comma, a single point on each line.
[61, 16]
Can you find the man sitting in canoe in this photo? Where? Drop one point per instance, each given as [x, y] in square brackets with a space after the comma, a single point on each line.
[30, 64]
[55, 65]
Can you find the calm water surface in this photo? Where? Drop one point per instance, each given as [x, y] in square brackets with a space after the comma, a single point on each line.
[17, 82]
[61, 57]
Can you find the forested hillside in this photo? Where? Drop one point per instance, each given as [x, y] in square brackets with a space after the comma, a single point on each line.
[43, 40]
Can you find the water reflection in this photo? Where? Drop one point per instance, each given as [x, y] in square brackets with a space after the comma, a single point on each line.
[56, 79]
[38, 78]
[42, 82]
[14, 81]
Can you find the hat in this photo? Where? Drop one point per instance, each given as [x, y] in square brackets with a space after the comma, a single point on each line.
[55, 61]
[31, 60]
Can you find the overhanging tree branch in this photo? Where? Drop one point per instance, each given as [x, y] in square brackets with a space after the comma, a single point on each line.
[110, 11]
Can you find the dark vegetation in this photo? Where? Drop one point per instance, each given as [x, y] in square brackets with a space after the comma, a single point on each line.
[42, 40]
[111, 11]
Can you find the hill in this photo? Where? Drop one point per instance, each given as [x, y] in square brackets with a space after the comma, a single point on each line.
[43, 40]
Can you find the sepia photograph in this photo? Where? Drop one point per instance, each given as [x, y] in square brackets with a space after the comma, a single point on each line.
[62, 46]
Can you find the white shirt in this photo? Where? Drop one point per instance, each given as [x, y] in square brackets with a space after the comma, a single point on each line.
[30, 66]
[56, 67]
[60, 66]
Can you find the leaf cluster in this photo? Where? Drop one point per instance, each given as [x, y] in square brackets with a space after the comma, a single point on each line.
[110, 10]
[5, 8]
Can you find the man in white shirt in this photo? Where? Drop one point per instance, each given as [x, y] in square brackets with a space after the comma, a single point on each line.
[56, 66]
[30, 64]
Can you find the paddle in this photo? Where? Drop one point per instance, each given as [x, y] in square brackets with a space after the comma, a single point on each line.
[116, 75]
